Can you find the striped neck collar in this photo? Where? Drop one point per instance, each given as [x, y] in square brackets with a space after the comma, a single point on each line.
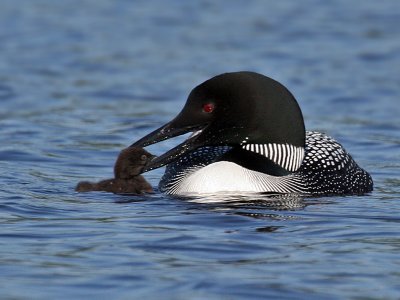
[286, 156]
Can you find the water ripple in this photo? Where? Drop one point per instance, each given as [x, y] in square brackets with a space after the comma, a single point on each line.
[78, 85]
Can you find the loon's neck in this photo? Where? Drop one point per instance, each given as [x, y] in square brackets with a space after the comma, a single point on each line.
[273, 159]
[253, 161]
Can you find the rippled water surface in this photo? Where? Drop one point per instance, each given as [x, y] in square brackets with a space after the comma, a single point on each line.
[80, 80]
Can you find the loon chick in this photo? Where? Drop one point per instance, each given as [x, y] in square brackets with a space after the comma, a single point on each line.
[249, 136]
[127, 168]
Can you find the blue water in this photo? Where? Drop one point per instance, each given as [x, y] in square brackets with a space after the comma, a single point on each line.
[80, 80]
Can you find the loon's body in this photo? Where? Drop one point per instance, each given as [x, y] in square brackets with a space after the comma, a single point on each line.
[327, 169]
[249, 136]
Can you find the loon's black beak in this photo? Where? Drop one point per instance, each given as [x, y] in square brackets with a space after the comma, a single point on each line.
[169, 130]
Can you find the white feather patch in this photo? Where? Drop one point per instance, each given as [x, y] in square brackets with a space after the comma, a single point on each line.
[225, 176]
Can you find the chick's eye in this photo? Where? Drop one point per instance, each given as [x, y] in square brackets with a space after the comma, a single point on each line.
[208, 107]
[143, 157]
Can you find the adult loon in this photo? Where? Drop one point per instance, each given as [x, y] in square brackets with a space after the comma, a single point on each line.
[249, 136]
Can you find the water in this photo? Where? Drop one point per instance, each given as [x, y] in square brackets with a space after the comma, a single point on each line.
[79, 80]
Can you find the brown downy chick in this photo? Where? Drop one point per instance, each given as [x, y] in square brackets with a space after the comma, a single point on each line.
[127, 168]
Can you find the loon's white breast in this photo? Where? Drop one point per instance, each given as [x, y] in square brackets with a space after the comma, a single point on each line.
[225, 176]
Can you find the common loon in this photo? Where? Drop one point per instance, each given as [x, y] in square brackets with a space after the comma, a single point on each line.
[249, 136]
[127, 180]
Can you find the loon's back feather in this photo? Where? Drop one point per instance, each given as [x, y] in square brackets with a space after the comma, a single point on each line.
[328, 169]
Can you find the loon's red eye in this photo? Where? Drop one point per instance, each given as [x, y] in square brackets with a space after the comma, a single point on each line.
[208, 107]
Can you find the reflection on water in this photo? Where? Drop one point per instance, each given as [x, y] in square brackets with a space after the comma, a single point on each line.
[80, 80]
[267, 201]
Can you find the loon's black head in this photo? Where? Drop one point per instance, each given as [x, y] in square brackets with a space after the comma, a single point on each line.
[232, 109]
